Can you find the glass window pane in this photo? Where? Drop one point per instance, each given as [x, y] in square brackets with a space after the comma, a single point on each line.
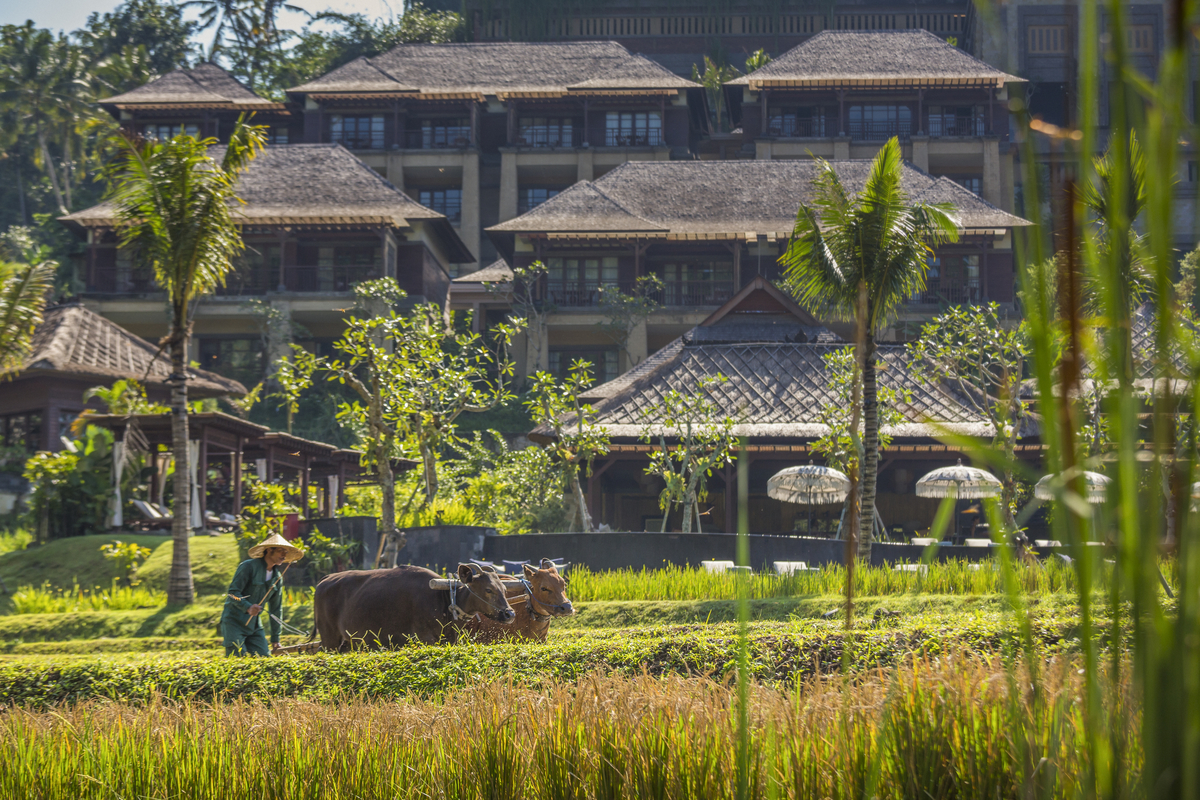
[609, 273]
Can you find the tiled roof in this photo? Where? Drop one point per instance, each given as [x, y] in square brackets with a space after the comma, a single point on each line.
[497, 272]
[774, 390]
[299, 184]
[205, 84]
[848, 57]
[728, 198]
[498, 68]
[78, 342]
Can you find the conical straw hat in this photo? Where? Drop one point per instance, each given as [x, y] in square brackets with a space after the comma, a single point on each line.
[293, 553]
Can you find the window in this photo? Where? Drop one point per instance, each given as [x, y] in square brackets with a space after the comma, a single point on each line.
[1047, 40]
[696, 283]
[279, 135]
[880, 121]
[22, 430]
[632, 128]
[1139, 38]
[164, 131]
[239, 359]
[573, 281]
[440, 133]
[955, 121]
[796, 122]
[605, 364]
[1193, 172]
[950, 279]
[333, 267]
[534, 196]
[357, 133]
[972, 183]
[443, 201]
[546, 132]
[255, 271]
[1048, 102]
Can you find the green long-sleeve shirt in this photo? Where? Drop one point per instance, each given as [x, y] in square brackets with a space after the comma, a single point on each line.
[250, 583]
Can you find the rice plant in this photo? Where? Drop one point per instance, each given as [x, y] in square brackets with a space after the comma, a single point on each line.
[935, 729]
[46, 599]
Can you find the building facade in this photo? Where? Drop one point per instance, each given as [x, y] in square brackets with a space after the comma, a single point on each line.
[705, 230]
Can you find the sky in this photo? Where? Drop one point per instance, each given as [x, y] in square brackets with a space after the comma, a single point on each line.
[69, 15]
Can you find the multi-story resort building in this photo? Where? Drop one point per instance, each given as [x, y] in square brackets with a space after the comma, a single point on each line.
[479, 135]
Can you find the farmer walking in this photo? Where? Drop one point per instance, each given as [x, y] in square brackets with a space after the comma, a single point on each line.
[258, 582]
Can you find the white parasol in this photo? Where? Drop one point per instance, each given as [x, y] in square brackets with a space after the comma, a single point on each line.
[1096, 483]
[958, 481]
[809, 485]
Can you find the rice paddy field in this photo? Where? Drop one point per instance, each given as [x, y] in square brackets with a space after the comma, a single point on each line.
[947, 727]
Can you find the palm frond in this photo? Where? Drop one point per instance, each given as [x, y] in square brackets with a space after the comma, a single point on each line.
[22, 299]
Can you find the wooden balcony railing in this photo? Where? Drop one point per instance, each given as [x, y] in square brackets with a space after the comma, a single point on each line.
[947, 294]
[586, 294]
[245, 282]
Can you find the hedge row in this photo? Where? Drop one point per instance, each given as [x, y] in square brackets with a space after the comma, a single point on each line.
[779, 652]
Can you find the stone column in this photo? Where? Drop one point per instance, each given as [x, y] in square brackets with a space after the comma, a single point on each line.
[991, 171]
[279, 335]
[841, 148]
[920, 152]
[586, 170]
[762, 150]
[395, 169]
[508, 184]
[469, 228]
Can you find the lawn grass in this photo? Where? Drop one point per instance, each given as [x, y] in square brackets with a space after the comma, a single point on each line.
[61, 563]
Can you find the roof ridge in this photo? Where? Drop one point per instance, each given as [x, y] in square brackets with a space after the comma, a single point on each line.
[610, 199]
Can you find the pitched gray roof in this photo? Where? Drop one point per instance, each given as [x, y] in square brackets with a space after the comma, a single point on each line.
[300, 184]
[77, 342]
[498, 68]
[723, 198]
[497, 272]
[774, 390]
[205, 84]
[891, 57]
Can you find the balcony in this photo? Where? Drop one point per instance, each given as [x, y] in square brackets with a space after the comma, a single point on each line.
[585, 294]
[247, 283]
[790, 127]
[955, 126]
[947, 294]
[534, 137]
[879, 131]
[451, 138]
[615, 137]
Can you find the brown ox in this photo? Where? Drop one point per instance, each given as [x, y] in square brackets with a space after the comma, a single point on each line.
[543, 600]
[388, 607]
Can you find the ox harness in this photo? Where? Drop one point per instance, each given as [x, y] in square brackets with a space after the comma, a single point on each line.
[529, 602]
[457, 613]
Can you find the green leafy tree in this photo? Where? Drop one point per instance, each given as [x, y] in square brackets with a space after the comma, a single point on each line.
[319, 50]
[860, 257]
[757, 60]
[693, 439]
[414, 377]
[625, 311]
[175, 206]
[981, 356]
[576, 439]
[71, 488]
[155, 28]
[125, 396]
[529, 308]
[713, 80]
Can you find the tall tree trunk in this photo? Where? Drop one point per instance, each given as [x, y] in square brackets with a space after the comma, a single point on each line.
[179, 587]
[689, 505]
[585, 518]
[870, 466]
[392, 543]
[430, 466]
[58, 195]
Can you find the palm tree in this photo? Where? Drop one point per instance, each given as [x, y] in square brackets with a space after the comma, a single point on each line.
[44, 83]
[23, 291]
[175, 205]
[858, 257]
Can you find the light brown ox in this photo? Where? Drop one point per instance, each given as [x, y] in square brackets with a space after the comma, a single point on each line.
[545, 600]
